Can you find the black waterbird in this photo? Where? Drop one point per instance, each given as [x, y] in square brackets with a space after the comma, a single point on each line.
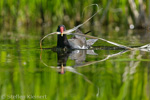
[76, 42]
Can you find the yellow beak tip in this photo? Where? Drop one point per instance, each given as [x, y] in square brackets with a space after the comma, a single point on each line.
[61, 34]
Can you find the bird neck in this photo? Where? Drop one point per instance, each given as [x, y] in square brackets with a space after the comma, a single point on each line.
[62, 41]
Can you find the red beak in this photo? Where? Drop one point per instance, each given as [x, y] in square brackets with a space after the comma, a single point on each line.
[61, 30]
[62, 69]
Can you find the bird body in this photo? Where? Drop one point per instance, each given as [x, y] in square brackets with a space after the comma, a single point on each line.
[76, 42]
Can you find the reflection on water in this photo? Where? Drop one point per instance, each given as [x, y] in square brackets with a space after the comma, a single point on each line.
[110, 72]
[79, 57]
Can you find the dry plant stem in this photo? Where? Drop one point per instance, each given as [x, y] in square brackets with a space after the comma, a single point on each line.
[75, 28]
[47, 36]
[92, 37]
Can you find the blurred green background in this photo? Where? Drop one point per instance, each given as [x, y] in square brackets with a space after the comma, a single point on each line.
[24, 22]
[47, 13]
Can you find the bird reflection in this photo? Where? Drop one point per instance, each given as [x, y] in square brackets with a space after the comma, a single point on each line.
[78, 56]
[62, 57]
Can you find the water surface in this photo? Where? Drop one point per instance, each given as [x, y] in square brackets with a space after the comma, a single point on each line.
[24, 76]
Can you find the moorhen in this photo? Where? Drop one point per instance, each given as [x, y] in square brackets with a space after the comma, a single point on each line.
[76, 42]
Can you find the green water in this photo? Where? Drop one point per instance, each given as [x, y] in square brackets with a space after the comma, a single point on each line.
[24, 76]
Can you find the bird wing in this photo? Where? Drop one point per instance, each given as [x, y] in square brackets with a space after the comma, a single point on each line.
[90, 42]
